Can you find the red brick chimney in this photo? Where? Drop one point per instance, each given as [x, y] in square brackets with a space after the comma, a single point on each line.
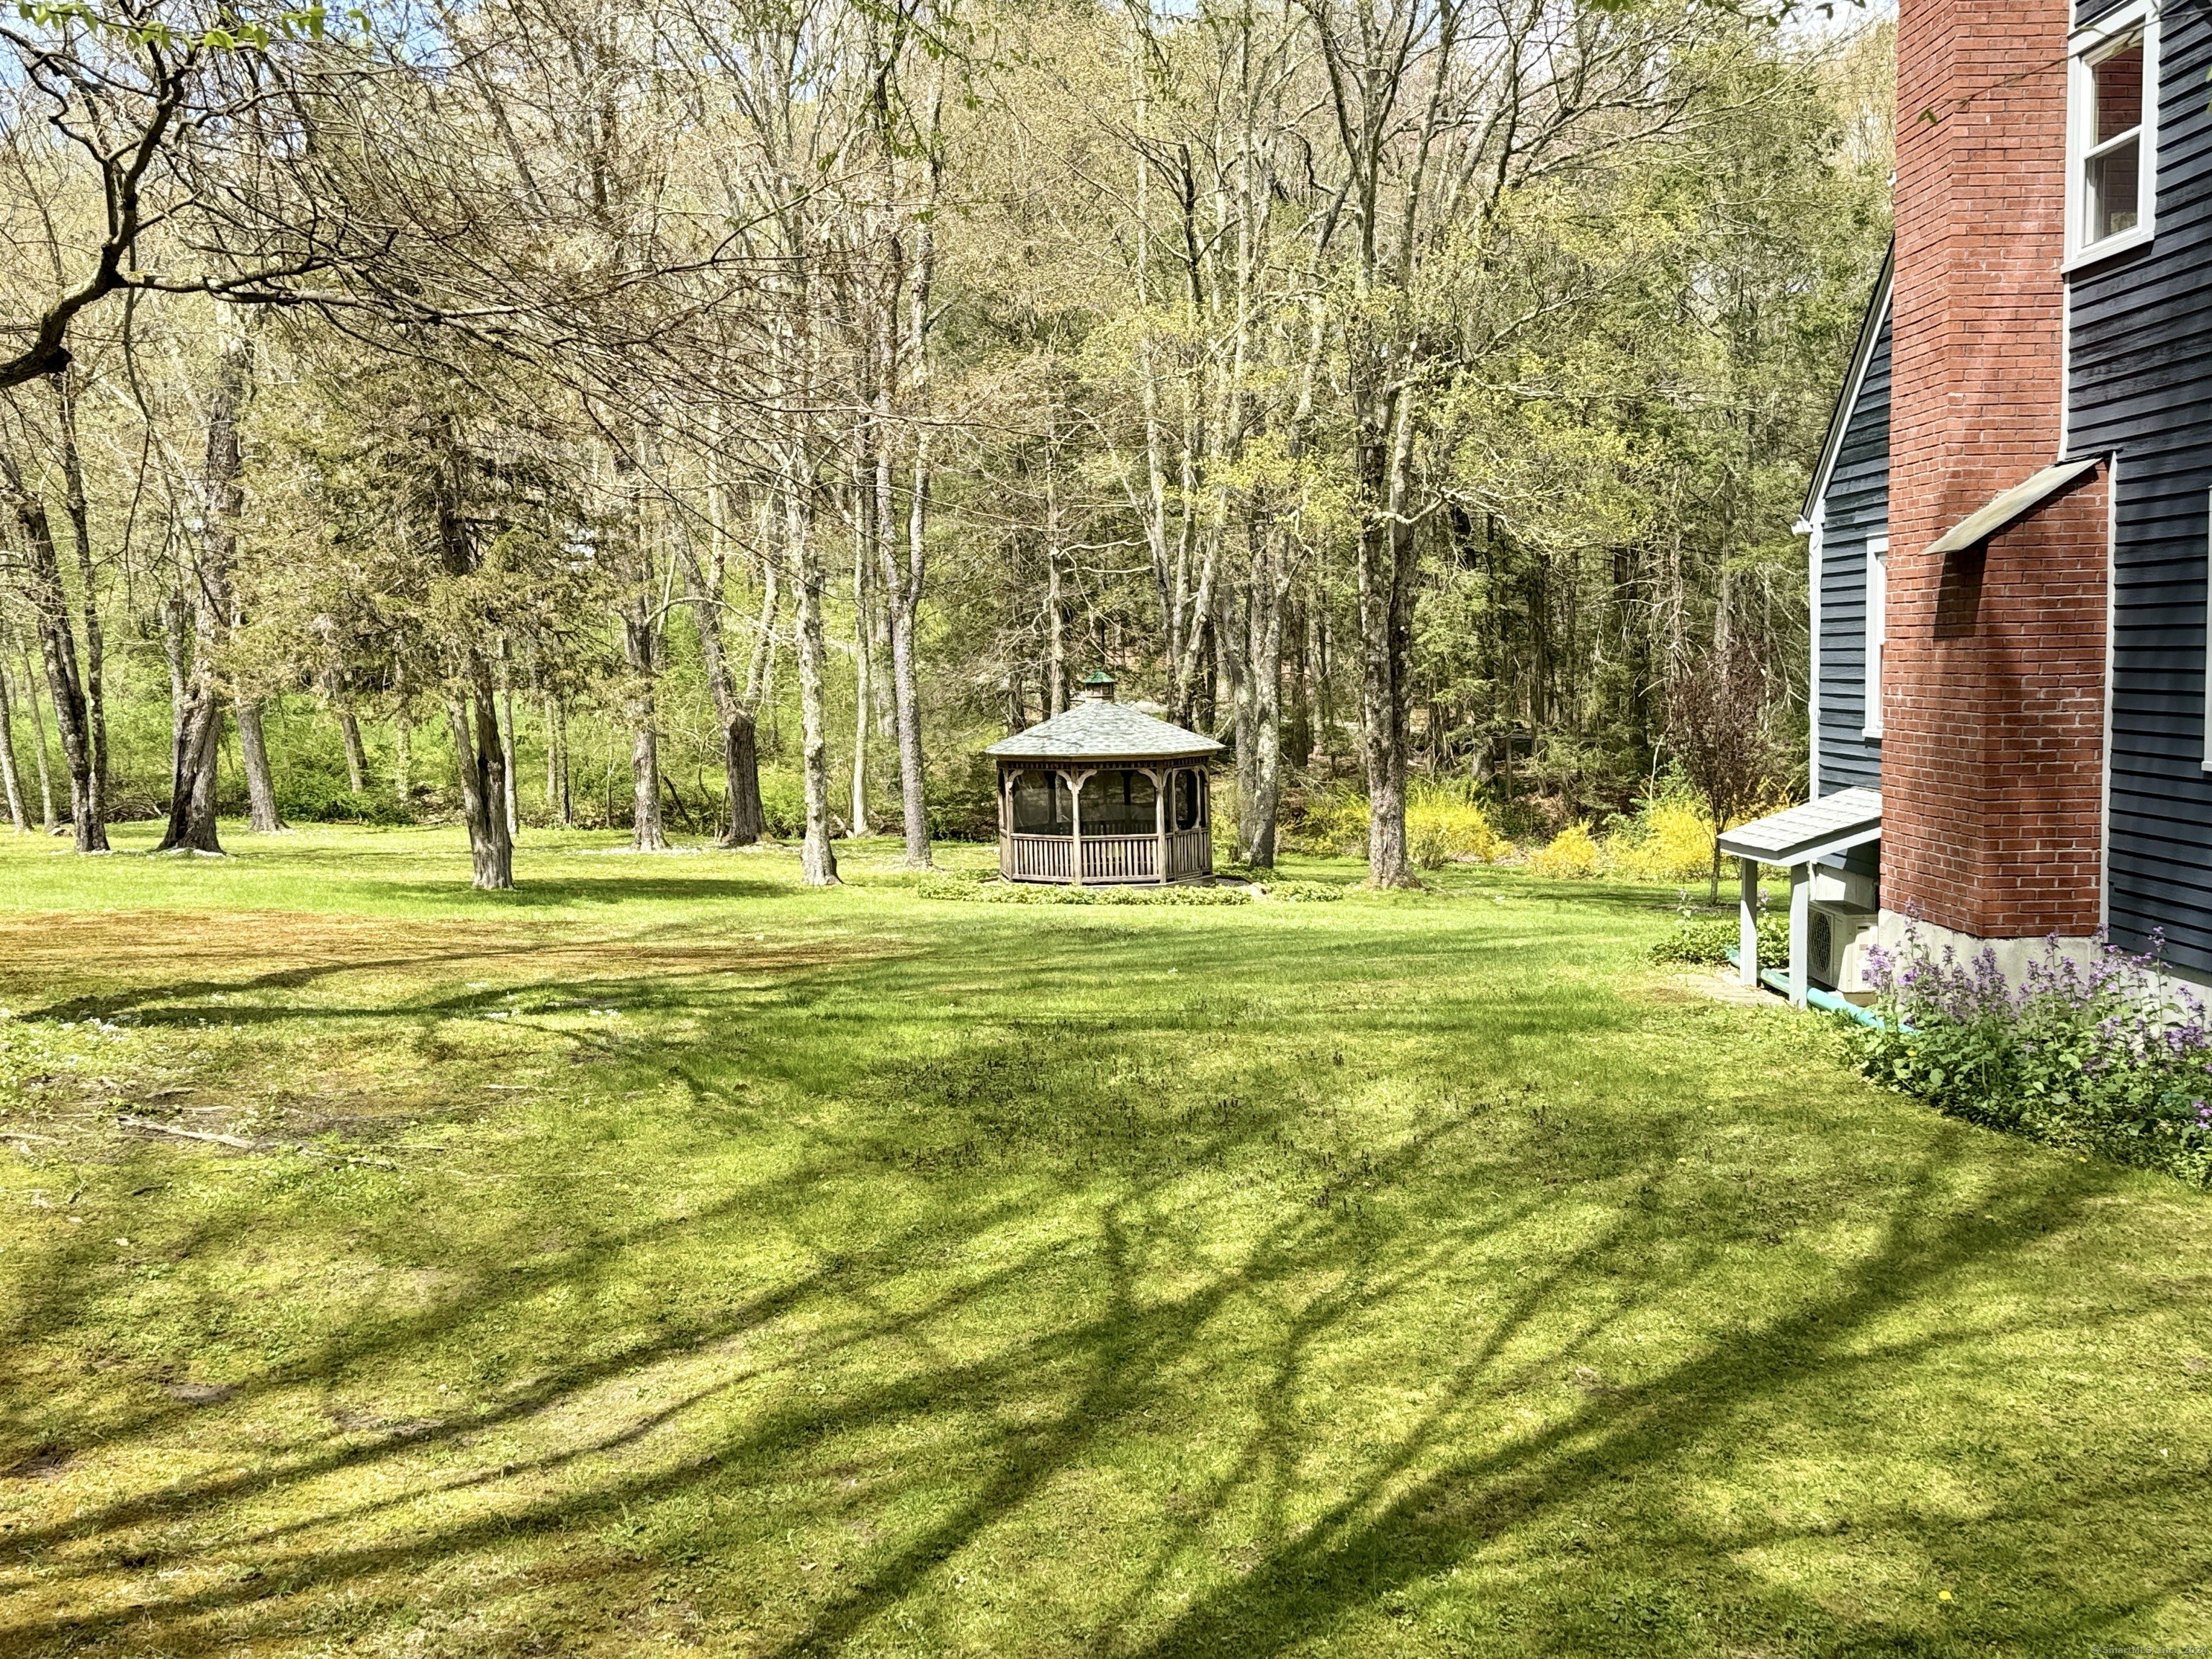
[1994, 667]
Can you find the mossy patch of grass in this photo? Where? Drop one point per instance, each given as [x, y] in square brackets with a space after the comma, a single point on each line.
[771, 1271]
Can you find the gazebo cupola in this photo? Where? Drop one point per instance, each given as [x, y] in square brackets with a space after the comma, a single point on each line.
[1105, 793]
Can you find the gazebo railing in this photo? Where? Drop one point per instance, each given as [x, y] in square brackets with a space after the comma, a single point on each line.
[1105, 857]
[1036, 858]
[1190, 852]
[1120, 858]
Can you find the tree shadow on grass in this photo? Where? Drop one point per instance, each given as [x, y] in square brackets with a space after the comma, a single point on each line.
[1128, 1345]
[624, 886]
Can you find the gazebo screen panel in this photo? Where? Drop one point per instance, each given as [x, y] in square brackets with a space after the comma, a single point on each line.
[1186, 804]
[1042, 805]
[1118, 802]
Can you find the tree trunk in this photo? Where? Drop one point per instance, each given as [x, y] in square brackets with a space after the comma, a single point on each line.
[403, 756]
[906, 689]
[741, 774]
[509, 806]
[57, 641]
[478, 756]
[8, 772]
[174, 648]
[253, 755]
[357, 755]
[906, 590]
[1386, 606]
[483, 770]
[1055, 624]
[817, 857]
[95, 647]
[560, 801]
[740, 732]
[741, 799]
[1258, 814]
[192, 775]
[31, 689]
[640, 627]
[191, 827]
[646, 834]
[863, 665]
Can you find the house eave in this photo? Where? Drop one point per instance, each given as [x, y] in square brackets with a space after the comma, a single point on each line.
[1854, 382]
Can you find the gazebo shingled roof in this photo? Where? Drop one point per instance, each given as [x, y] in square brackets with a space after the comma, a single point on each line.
[1104, 731]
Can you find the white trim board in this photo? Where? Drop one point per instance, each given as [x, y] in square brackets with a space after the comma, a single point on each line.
[1854, 383]
[1814, 551]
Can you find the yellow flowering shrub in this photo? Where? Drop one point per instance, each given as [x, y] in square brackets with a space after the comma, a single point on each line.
[1441, 830]
[1670, 840]
[1327, 820]
[1572, 854]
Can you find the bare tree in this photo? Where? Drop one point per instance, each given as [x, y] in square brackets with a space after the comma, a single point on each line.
[1716, 726]
[147, 94]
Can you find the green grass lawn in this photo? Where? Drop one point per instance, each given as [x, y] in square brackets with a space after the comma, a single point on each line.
[769, 1271]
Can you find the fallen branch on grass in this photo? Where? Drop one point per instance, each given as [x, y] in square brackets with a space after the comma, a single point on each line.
[246, 1145]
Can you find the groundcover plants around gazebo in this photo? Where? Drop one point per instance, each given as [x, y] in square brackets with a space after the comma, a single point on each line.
[737, 1267]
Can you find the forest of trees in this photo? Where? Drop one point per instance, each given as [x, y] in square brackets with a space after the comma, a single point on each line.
[726, 416]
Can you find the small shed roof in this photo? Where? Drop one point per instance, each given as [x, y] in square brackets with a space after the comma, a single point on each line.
[1103, 730]
[1802, 834]
[2017, 502]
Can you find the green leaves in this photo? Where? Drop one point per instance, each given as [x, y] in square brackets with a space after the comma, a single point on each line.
[237, 33]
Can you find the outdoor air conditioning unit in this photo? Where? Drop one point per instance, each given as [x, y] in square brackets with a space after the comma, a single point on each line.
[1838, 948]
[1844, 910]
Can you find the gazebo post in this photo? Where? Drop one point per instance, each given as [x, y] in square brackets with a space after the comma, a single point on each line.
[1005, 820]
[1205, 784]
[1160, 821]
[1075, 826]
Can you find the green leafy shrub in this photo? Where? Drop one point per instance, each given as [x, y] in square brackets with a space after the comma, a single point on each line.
[783, 804]
[1670, 839]
[2102, 1055]
[1302, 892]
[313, 798]
[1708, 940]
[948, 885]
[961, 801]
[1331, 818]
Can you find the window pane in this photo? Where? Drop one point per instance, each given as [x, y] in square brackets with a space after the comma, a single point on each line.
[2115, 181]
[2116, 93]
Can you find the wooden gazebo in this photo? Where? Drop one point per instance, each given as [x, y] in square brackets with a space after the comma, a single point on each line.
[1104, 794]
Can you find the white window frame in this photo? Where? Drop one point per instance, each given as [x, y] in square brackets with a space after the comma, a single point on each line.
[2084, 50]
[1877, 630]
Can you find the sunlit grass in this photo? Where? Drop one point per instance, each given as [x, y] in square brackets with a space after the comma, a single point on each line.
[771, 1271]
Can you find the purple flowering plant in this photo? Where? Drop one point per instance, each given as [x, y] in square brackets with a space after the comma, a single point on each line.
[2098, 1049]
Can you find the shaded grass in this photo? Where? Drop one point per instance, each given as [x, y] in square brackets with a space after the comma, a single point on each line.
[781, 1272]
